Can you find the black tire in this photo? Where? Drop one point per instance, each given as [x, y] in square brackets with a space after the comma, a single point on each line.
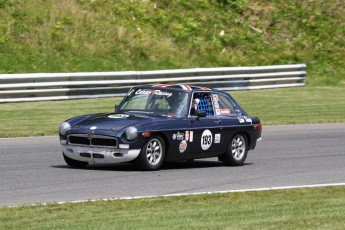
[74, 163]
[152, 154]
[237, 151]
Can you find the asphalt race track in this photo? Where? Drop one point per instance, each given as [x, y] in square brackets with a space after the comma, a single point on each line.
[33, 170]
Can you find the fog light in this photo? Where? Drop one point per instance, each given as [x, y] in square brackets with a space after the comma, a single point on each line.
[124, 146]
[63, 142]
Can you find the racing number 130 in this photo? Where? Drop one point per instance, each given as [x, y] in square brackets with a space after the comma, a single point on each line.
[206, 139]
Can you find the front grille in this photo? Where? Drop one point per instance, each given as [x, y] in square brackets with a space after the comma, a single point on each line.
[103, 142]
[79, 140]
[92, 140]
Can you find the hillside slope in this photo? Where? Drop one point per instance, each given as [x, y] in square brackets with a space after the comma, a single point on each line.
[102, 35]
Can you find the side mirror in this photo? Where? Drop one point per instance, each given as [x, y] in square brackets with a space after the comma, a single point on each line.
[201, 113]
[116, 106]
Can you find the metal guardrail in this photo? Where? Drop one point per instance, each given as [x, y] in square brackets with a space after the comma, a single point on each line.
[63, 86]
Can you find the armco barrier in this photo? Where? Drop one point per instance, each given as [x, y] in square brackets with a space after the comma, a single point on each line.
[62, 86]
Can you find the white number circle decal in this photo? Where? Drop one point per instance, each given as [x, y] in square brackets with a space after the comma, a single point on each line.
[206, 139]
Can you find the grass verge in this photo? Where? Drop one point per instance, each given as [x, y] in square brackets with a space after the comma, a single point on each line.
[305, 105]
[281, 209]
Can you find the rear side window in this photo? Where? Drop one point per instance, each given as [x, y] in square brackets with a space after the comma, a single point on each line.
[205, 104]
[224, 106]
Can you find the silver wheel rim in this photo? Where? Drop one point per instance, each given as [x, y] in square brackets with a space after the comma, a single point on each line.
[238, 147]
[154, 151]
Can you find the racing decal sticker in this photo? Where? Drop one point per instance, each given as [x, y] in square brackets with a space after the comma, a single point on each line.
[224, 111]
[179, 136]
[186, 135]
[185, 87]
[161, 93]
[155, 92]
[216, 104]
[162, 85]
[241, 119]
[174, 136]
[206, 139]
[118, 116]
[217, 138]
[143, 92]
[190, 136]
[248, 119]
[183, 146]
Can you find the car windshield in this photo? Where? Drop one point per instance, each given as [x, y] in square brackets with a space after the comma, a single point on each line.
[164, 102]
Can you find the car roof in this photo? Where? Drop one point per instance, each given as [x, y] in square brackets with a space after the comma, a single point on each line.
[176, 87]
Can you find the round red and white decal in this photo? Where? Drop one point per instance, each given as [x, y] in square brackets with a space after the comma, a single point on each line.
[183, 146]
[206, 139]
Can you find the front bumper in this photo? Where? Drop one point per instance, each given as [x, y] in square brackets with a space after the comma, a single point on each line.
[99, 154]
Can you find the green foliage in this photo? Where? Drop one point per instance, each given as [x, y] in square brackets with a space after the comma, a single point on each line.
[236, 5]
[101, 35]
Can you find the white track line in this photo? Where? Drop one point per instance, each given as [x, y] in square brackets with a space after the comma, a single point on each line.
[196, 193]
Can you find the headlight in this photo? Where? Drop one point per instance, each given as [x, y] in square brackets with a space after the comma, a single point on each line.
[131, 133]
[64, 127]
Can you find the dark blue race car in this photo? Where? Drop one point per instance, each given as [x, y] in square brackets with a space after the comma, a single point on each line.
[158, 123]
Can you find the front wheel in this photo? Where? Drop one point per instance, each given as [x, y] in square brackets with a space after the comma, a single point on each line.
[152, 155]
[237, 151]
[74, 163]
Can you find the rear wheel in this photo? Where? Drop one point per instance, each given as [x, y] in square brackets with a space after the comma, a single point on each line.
[237, 151]
[152, 155]
[74, 163]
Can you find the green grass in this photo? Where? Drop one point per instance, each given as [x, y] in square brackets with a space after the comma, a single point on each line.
[102, 35]
[322, 208]
[305, 105]
[43, 118]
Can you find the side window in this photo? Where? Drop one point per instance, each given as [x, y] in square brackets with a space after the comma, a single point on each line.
[223, 105]
[205, 104]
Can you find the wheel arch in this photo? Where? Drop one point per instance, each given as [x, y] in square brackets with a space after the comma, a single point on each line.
[142, 161]
[246, 134]
[165, 139]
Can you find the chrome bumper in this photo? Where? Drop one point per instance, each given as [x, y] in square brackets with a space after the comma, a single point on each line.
[99, 154]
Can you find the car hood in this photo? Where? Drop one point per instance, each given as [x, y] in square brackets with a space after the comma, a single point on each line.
[113, 121]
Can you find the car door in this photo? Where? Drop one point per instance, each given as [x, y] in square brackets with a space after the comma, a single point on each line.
[204, 134]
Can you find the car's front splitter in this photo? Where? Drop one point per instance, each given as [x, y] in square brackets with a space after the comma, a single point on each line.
[99, 154]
